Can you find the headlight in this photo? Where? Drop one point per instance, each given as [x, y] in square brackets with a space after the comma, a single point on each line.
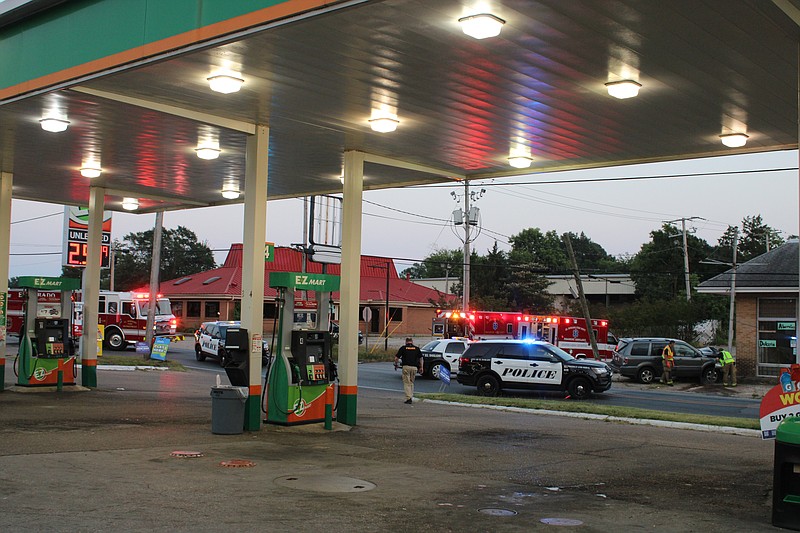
[600, 371]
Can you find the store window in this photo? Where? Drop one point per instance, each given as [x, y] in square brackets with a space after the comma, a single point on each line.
[193, 309]
[777, 335]
[212, 310]
[177, 308]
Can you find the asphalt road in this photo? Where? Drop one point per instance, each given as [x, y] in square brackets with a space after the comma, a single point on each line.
[383, 377]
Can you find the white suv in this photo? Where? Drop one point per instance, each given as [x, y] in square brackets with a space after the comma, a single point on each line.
[443, 352]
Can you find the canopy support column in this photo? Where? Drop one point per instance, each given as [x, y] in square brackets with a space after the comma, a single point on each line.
[91, 288]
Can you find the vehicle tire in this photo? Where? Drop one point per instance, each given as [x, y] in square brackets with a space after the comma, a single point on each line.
[646, 375]
[488, 385]
[115, 340]
[435, 368]
[579, 388]
[223, 358]
[709, 375]
[198, 353]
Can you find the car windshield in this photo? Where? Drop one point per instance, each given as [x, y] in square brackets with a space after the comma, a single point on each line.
[430, 346]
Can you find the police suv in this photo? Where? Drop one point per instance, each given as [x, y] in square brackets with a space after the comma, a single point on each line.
[209, 341]
[512, 364]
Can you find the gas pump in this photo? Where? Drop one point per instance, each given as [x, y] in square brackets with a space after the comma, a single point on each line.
[46, 356]
[299, 385]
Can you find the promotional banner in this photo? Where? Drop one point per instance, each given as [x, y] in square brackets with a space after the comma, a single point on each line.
[780, 401]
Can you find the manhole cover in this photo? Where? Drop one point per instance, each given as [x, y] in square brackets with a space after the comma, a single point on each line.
[492, 511]
[237, 463]
[561, 522]
[184, 453]
[325, 483]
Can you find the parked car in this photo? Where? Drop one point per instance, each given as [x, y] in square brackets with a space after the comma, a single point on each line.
[209, 341]
[640, 358]
[495, 365]
[443, 353]
[335, 333]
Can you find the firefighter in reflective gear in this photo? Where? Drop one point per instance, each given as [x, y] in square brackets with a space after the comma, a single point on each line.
[728, 363]
[668, 360]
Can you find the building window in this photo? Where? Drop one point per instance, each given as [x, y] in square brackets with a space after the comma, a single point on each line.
[777, 326]
[177, 308]
[212, 310]
[395, 314]
[192, 309]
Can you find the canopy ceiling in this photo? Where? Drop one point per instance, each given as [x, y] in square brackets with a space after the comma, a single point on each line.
[706, 68]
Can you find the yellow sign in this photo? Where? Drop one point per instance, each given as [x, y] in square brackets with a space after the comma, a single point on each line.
[101, 331]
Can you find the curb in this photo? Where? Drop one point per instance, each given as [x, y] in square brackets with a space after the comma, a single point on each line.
[127, 368]
[608, 418]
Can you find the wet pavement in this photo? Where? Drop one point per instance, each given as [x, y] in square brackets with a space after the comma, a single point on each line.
[102, 460]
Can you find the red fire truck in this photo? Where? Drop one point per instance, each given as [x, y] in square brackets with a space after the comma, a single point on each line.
[566, 332]
[124, 315]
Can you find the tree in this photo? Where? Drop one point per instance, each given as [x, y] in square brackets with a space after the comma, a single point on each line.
[528, 290]
[181, 255]
[489, 277]
[755, 238]
[544, 250]
[439, 264]
[592, 257]
[658, 268]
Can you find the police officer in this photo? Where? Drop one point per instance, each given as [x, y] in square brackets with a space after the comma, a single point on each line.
[410, 357]
[668, 360]
[728, 363]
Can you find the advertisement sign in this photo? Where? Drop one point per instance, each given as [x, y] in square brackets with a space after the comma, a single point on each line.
[160, 347]
[76, 237]
[781, 401]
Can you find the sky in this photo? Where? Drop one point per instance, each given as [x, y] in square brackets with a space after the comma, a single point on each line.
[411, 223]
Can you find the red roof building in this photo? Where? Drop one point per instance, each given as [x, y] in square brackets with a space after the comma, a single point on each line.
[216, 294]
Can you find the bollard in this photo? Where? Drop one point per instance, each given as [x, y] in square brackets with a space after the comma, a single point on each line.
[329, 407]
[2, 374]
[60, 382]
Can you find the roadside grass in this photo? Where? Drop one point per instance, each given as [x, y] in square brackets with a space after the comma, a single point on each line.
[138, 360]
[576, 406]
[373, 355]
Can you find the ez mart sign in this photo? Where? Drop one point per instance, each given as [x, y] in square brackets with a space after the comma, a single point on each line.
[304, 281]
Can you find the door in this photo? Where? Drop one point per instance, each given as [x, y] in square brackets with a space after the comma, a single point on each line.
[547, 368]
[452, 352]
[688, 361]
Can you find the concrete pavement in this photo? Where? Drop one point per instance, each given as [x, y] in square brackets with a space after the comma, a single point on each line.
[101, 460]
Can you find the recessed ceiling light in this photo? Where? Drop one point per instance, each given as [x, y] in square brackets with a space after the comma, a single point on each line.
[54, 125]
[130, 204]
[623, 89]
[482, 26]
[225, 83]
[208, 151]
[230, 191]
[384, 124]
[520, 161]
[734, 140]
[91, 171]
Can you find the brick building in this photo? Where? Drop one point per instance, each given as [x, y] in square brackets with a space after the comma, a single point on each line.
[766, 289]
[216, 294]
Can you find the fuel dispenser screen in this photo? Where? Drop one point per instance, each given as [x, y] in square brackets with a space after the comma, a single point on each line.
[311, 353]
[52, 337]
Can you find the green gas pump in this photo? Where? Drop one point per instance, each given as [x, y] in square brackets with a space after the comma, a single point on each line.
[299, 386]
[46, 356]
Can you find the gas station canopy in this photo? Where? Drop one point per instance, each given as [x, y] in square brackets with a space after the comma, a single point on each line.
[131, 78]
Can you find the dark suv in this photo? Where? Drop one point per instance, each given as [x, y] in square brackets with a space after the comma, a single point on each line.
[511, 364]
[640, 358]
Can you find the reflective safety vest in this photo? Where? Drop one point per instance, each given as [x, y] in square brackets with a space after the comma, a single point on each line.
[726, 357]
[667, 354]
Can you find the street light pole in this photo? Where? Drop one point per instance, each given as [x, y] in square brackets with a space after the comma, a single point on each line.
[733, 290]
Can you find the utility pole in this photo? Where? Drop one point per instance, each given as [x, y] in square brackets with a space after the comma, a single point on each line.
[733, 289]
[686, 254]
[465, 285]
[155, 264]
[582, 296]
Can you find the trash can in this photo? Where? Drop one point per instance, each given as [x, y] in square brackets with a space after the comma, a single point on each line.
[786, 480]
[227, 409]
